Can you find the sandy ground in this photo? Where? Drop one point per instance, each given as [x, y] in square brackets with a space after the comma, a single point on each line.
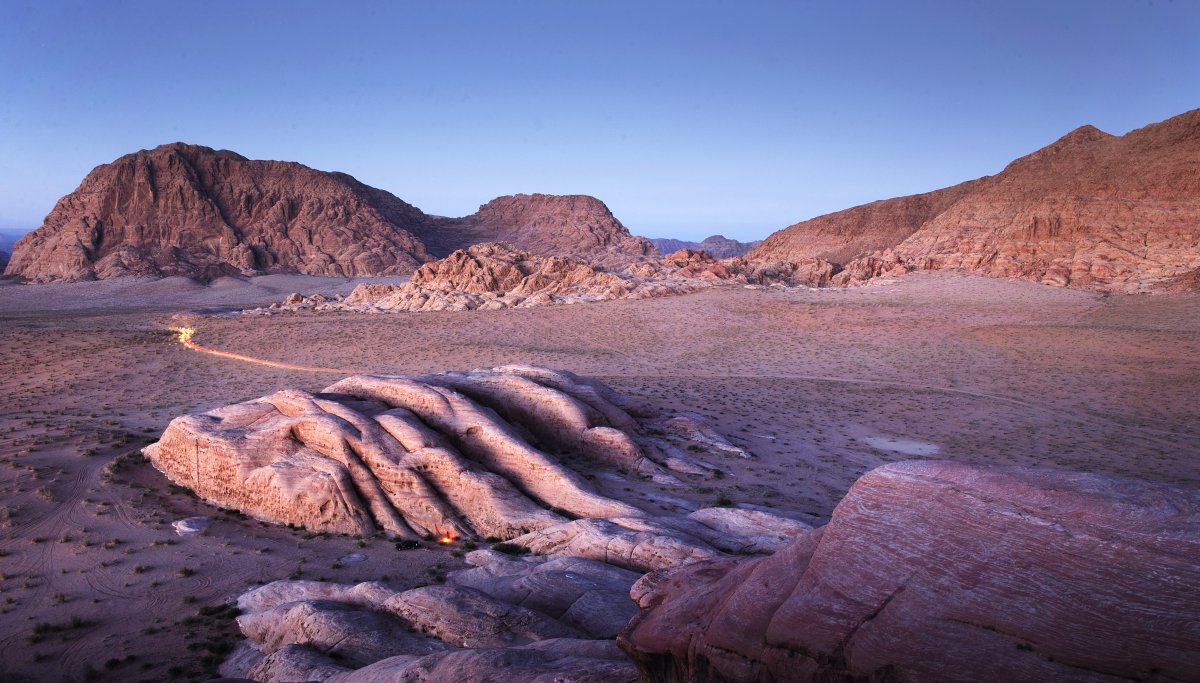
[820, 385]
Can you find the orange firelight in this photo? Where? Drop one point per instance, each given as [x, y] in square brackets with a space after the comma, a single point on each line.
[446, 538]
[186, 334]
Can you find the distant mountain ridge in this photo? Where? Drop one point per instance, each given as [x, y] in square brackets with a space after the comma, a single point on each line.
[1091, 210]
[182, 209]
[718, 246]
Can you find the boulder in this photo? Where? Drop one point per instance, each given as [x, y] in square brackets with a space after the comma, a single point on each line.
[943, 571]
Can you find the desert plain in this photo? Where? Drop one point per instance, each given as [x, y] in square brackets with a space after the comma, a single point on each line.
[820, 385]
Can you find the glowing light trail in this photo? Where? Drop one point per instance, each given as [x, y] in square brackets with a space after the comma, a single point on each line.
[185, 335]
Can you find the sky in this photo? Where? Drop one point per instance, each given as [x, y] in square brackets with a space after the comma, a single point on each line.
[686, 118]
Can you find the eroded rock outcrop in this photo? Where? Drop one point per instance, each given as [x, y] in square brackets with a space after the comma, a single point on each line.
[481, 453]
[944, 571]
[1091, 210]
[498, 276]
[536, 456]
[504, 619]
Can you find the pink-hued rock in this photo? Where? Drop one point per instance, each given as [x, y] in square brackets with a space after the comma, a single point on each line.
[1091, 210]
[718, 246]
[562, 660]
[942, 571]
[188, 210]
[467, 453]
[563, 225]
[493, 276]
[515, 619]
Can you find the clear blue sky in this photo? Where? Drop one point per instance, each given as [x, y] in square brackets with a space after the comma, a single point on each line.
[687, 118]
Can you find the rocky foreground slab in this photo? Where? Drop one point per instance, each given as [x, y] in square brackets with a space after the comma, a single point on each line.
[940, 571]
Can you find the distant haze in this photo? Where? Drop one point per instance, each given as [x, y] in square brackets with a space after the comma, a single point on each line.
[688, 119]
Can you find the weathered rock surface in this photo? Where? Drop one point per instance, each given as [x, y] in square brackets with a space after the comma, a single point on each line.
[548, 661]
[514, 619]
[188, 210]
[1092, 210]
[462, 454]
[719, 246]
[458, 453]
[498, 276]
[943, 571]
[548, 225]
[853, 233]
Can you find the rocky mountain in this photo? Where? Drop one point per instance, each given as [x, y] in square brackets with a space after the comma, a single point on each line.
[1093, 210]
[188, 210]
[857, 232]
[716, 245]
[550, 225]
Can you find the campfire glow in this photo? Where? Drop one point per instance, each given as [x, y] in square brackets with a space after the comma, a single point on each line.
[185, 334]
[446, 538]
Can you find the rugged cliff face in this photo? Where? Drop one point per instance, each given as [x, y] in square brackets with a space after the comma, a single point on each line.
[548, 225]
[847, 235]
[1093, 210]
[187, 210]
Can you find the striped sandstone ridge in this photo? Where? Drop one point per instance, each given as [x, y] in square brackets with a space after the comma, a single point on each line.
[503, 452]
[944, 571]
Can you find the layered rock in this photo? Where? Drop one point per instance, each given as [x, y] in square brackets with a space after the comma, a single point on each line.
[719, 246]
[548, 225]
[943, 571]
[504, 619]
[188, 210]
[1092, 210]
[463, 455]
[499, 276]
[480, 453]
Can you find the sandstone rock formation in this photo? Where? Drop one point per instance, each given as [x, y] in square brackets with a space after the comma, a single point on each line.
[188, 210]
[549, 225]
[1092, 210]
[480, 453]
[498, 276]
[719, 246]
[944, 571]
[504, 619]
